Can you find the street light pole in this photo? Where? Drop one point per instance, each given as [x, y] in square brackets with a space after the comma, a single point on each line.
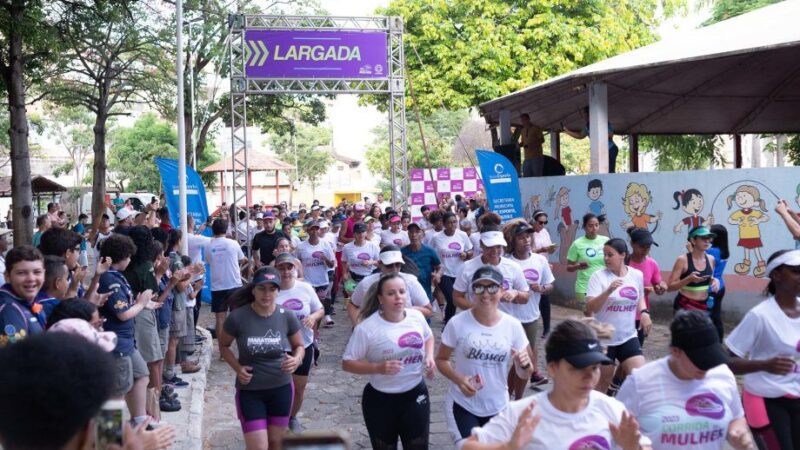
[181, 132]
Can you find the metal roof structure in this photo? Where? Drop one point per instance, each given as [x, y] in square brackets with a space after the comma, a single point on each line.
[255, 163]
[39, 185]
[741, 75]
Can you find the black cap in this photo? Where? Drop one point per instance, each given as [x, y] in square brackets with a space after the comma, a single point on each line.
[488, 273]
[522, 227]
[580, 353]
[360, 227]
[640, 236]
[415, 225]
[284, 258]
[701, 345]
[267, 275]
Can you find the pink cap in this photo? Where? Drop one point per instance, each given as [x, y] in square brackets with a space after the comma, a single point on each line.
[359, 206]
[107, 340]
[394, 219]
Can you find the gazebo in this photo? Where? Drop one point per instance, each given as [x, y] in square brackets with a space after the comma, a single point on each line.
[255, 163]
[738, 76]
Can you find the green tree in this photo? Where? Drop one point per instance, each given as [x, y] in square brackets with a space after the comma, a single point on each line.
[72, 129]
[727, 9]
[440, 128]
[693, 152]
[131, 162]
[472, 51]
[305, 148]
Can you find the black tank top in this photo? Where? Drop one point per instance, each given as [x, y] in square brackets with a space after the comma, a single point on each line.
[707, 272]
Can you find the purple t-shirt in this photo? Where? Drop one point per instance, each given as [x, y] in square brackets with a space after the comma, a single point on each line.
[652, 276]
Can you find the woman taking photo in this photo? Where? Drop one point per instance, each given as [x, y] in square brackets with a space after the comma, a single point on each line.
[767, 350]
[486, 342]
[570, 416]
[542, 245]
[614, 296]
[540, 280]
[585, 255]
[300, 298]
[692, 274]
[692, 388]
[265, 334]
[394, 346]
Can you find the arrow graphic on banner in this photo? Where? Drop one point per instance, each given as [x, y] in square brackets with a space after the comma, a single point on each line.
[258, 51]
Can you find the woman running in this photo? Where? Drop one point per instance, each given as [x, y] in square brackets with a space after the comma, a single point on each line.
[615, 295]
[692, 274]
[570, 416]
[543, 245]
[689, 398]
[766, 344]
[540, 280]
[585, 255]
[301, 298]
[719, 250]
[359, 259]
[453, 247]
[641, 241]
[485, 341]
[394, 346]
[284, 245]
[264, 335]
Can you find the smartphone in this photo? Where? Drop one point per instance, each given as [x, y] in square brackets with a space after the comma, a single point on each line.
[317, 440]
[109, 424]
[476, 382]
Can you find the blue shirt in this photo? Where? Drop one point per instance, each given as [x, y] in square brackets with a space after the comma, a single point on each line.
[596, 207]
[48, 304]
[164, 314]
[120, 300]
[719, 266]
[17, 319]
[80, 229]
[427, 261]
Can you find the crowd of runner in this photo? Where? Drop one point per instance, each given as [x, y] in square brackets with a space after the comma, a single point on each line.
[274, 275]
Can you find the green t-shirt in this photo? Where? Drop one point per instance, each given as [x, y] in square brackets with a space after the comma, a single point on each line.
[589, 251]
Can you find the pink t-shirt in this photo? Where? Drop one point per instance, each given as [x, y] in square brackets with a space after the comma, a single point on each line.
[652, 276]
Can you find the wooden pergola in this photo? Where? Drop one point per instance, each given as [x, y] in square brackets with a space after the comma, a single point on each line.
[255, 163]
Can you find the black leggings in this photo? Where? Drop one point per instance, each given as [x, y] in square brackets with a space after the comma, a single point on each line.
[405, 415]
[544, 309]
[783, 432]
[446, 286]
[466, 421]
[716, 312]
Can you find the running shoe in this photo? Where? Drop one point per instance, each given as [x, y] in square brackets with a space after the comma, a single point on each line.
[328, 322]
[190, 367]
[538, 380]
[169, 405]
[175, 381]
[294, 425]
[168, 392]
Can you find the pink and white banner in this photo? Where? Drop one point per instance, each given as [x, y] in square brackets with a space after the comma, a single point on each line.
[447, 182]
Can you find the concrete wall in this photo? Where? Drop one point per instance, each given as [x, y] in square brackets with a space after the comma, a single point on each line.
[649, 199]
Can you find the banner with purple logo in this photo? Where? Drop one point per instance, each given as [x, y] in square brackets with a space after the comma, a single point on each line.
[447, 182]
[316, 54]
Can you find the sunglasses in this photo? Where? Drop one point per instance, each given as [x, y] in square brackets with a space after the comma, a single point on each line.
[478, 289]
[541, 223]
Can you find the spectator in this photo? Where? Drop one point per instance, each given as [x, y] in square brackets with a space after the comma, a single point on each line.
[43, 223]
[56, 285]
[224, 264]
[20, 315]
[3, 249]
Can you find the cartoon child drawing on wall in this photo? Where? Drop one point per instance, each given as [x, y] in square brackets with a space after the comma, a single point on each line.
[566, 227]
[750, 214]
[594, 191]
[637, 199]
[691, 202]
[532, 205]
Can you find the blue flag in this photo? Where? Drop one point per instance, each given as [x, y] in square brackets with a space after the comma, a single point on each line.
[501, 183]
[196, 203]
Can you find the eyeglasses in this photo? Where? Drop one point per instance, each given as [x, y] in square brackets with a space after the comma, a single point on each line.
[478, 289]
[541, 223]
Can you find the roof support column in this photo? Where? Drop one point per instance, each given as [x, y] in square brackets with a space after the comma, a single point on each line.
[505, 127]
[737, 151]
[633, 153]
[555, 145]
[598, 127]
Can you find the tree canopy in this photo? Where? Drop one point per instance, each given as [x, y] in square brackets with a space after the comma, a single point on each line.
[304, 147]
[131, 156]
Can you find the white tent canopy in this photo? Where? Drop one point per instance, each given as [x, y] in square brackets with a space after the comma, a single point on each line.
[741, 75]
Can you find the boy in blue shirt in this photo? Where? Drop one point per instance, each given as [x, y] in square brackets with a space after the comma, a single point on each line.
[20, 313]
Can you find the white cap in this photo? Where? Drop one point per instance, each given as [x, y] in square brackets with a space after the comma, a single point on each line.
[259, 215]
[492, 239]
[391, 257]
[125, 213]
[791, 258]
[324, 224]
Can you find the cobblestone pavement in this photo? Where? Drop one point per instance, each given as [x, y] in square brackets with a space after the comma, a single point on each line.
[333, 397]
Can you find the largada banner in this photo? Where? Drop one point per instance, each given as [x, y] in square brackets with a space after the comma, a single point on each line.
[195, 191]
[501, 183]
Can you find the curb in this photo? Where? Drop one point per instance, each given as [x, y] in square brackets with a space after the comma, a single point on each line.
[189, 425]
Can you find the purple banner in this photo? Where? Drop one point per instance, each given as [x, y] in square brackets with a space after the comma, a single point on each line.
[316, 54]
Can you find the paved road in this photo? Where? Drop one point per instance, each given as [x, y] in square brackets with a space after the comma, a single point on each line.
[333, 397]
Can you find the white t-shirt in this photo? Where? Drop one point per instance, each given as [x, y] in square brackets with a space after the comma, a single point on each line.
[399, 239]
[333, 238]
[484, 351]
[541, 239]
[375, 238]
[100, 238]
[377, 226]
[766, 332]
[535, 269]
[449, 249]
[377, 340]
[678, 414]
[475, 238]
[512, 279]
[430, 233]
[223, 260]
[303, 301]
[416, 295]
[620, 307]
[242, 234]
[558, 430]
[197, 243]
[356, 257]
[423, 223]
[315, 271]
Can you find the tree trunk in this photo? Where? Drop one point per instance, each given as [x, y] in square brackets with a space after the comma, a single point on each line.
[99, 168]
[187, 123]
[21, 192]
